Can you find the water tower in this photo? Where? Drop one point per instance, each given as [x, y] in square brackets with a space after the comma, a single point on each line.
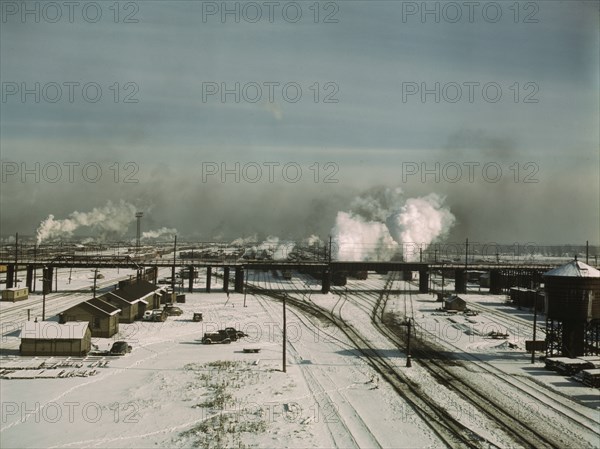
[573, 310]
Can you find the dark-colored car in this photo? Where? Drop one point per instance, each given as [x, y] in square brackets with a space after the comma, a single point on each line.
[172, 310]
[216, 337]
[233, 334]
[120, 348]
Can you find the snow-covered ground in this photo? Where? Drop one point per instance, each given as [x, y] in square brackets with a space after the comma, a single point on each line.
[173, 391]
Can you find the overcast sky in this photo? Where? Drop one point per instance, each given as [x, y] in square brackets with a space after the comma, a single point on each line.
[367, 59]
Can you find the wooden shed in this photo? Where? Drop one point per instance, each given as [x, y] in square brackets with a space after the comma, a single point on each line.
[128, 309]
[15, 294]
[103, 317]
[145, 293]
[455, 303]
[49, 338]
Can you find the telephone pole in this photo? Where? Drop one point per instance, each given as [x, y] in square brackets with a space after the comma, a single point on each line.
[284, 333]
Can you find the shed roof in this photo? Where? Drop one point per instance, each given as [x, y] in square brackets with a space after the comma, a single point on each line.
[97, 306]
[118, 294]
[575, 268]
[15, 289]
[51, 330]
[454, 298]
[104, 306]
[136, 291]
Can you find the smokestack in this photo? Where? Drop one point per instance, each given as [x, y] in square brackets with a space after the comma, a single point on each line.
[139, 216]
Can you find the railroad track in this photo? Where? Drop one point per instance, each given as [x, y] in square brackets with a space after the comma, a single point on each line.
[442, 423]
[527, 434]
[339, 429]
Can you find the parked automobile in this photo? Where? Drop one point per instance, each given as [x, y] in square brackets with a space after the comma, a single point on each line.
[215, 337]
[172, 310]
[120, 348]
[154, 315]
[233, 334]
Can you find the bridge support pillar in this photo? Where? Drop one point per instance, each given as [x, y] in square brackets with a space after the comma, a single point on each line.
[495, 282]
[208, 275]
[239, 279]
[10, 276]
[155, 274]
[49, 277]
[226, 279]
[47, 280]
[460, 280]
[406, 275]
[192, 272]
[326, 282]
[423, 281]
[29, 278]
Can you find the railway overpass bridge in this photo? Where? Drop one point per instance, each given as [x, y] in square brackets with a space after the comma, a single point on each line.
[324, 270]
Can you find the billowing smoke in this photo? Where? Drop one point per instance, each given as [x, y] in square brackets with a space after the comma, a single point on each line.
[109, 221]
[421, 220]
[312, 240]
[356, 238]
[243, 241]
[271, 248]
[162, 232]
[383, 223]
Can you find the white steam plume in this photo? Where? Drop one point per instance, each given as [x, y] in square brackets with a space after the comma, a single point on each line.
[169, 232]
[243, 241]
[272, 248]
[312, 240]
[356, 239]
[383, 223]
[109, 220]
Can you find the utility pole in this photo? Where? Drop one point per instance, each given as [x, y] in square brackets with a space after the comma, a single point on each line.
[408, 356]
[95, 277]
[16, 260]
[466, 253]
[443, 279]
[330, 249]
[173, 269]
[420, 254]
[45, 282]
[284, 333]
[34, 265]
[245, 284]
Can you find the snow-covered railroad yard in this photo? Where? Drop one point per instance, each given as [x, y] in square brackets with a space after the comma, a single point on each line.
[173, 391]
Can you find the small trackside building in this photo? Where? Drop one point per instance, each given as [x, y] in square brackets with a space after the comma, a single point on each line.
[455, 303]
[49, 338]
[15, 294]
[129, 310]
[103, 317]
[145, 293]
